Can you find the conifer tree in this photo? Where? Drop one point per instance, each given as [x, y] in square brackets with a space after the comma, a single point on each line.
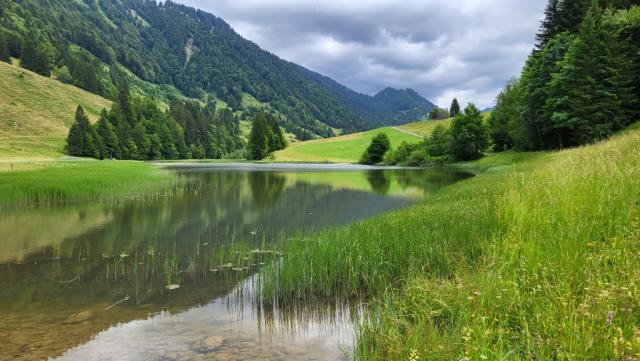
[277, 140]
[82, 140]
[551, 25]
[455, 108]
[34, 57]
[587, 93]
[110, 146]
[142, 142]
[258, 147]
[4, 49]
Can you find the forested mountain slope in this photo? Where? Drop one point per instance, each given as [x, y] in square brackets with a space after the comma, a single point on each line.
[182, 51]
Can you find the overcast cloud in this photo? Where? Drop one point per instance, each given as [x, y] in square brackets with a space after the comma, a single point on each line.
[441, 48]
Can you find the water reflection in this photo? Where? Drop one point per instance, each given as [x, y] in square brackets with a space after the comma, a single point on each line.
[180, 266]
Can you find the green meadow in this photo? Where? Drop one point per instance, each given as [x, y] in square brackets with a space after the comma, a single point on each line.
[534, 258]
[343, 149]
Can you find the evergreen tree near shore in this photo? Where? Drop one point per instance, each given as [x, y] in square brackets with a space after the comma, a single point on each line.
[265, 138]
[139, 129]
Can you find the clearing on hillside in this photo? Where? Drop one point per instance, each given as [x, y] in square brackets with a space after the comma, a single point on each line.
[349, 148]
[36, 112]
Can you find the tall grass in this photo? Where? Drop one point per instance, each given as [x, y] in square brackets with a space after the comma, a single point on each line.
[64, 182]
[537, 260]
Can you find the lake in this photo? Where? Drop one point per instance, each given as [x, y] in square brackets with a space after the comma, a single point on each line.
[171, 276]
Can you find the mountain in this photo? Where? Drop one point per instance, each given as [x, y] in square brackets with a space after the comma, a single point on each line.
[170, 51]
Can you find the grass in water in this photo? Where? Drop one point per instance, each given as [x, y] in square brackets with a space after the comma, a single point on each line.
[537, 259]
[71, 181]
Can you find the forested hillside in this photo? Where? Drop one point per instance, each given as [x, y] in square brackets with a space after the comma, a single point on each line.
[581, 83]
[168, 51]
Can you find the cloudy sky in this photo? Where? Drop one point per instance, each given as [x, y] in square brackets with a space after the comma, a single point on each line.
[441, 48]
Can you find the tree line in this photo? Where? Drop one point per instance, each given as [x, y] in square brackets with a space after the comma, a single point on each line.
[466, 139]
[580, 84]
[136, 128]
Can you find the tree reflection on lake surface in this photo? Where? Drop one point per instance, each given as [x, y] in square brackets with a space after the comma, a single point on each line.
[169, 276]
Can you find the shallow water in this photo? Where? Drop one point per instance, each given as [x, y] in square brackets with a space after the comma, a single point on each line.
[170, 276]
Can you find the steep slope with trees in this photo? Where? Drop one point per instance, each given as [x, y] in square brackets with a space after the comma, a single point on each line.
[91, 43]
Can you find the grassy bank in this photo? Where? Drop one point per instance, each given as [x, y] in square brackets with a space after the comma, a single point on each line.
[536, 258]
[72, 181]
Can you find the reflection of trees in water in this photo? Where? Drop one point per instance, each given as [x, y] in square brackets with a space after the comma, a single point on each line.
[266, 187]
[380, 181]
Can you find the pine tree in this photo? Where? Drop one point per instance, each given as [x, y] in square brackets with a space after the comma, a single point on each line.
[82, 141]
[142, 142]
[587, 93]
[110, 145]
[455, 108]
[571, 14]
[4, 49]
[258, 147]
[535, 130]
[124, 101]
[469, 135]
[276, 136]
[34, 57]
[551, 25]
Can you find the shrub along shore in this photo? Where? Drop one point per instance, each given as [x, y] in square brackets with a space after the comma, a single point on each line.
[537, 259]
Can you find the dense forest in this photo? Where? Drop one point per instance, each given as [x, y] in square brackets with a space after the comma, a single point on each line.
[580, 84]
[173, 51]
[137, 128]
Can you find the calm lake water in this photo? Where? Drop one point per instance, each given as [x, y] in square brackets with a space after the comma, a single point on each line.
[170, 276]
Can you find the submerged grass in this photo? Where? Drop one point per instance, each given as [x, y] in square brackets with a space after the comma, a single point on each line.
[48, 183]
[538, 257]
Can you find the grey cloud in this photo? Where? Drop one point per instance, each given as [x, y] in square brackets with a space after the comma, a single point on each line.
[442, 49]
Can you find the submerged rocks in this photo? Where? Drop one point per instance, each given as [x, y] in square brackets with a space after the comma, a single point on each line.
[208, 344]
[79, 317]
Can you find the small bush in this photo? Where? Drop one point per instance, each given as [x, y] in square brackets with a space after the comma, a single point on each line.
[379, 146]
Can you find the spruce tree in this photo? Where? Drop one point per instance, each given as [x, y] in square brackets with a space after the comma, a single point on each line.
[587, 93]
[124, 101]
[551, 25]
[142, 142]
[83, 141]
[258, 147]
[455, 108]
[277, 140]
[110, 145]
[4, 49]
[34, 57]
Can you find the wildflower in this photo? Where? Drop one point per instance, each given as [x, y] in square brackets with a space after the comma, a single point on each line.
[610, 317]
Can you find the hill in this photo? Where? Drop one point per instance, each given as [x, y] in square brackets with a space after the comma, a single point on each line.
[36, 112]
[187, 52]
[349, 148]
